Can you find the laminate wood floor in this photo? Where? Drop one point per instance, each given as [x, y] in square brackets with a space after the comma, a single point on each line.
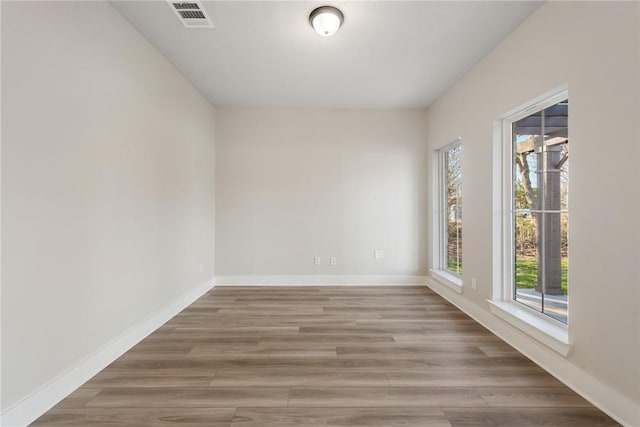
[323, 356]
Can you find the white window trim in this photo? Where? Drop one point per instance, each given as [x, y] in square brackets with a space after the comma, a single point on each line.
[438, 272]
[551, 333]
[447, 278]
[548, 331]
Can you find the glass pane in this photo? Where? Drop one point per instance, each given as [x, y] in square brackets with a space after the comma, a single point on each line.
[556, 123]
[526, 182]
[564, 178]
[554, 155]
[526, 134]
[526, 261]
[454, 248]
[453, 162]
[555, 298]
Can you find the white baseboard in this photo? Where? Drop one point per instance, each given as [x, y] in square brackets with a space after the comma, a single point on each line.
[47, 396]
[619, 407]
[317, 280]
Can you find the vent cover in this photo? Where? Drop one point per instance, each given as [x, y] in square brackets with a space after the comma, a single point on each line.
[191, 14]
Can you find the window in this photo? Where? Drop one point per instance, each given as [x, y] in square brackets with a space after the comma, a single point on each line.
[536, 206]
[448, 221]
[540, 195]
[531, 201]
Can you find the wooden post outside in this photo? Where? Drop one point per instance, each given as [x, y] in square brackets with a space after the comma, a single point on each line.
[550, 233]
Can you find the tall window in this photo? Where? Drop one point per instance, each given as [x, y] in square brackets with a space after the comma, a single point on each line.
[539, 206]
[450, 209]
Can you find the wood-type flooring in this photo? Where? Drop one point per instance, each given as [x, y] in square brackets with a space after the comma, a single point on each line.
[323, 356]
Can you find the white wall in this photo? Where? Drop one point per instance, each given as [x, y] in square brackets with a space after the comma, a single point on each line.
[293, 184]
[594, 48]
[107, 187]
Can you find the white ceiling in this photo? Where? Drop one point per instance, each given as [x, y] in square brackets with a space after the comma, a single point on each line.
[388, 54]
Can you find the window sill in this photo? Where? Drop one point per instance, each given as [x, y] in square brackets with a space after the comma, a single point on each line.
[548, 332]
[448, 279]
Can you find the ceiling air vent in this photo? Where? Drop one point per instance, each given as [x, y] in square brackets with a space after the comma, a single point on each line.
[191, 14]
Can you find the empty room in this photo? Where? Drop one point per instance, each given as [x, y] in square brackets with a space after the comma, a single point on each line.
[308, 213]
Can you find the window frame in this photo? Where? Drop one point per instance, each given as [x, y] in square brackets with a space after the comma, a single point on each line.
[549, 331]
[440, 272]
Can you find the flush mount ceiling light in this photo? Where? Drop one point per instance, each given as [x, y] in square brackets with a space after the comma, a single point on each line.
[326, 20]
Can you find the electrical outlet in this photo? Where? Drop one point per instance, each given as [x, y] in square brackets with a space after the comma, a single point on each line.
[316, 260]
[333, 260]
[474, 284]
[378, 254]
[201, 268]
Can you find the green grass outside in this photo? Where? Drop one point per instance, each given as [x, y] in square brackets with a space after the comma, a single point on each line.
[454, 266]
[526, 272]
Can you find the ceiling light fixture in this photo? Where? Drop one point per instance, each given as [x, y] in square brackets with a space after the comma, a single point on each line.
[326, 20]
